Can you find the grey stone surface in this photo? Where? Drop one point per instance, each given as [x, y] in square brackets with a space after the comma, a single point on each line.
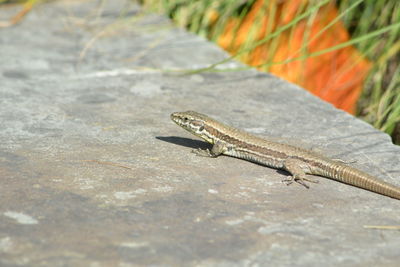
[93, 173]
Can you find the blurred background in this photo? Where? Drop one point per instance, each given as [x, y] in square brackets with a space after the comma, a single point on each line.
[345, 52]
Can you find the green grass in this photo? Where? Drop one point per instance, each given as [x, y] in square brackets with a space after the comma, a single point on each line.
[380, 101]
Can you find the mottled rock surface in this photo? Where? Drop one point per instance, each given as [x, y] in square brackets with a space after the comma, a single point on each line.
[94, 173]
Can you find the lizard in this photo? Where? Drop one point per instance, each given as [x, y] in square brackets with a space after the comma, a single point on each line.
[297, 161]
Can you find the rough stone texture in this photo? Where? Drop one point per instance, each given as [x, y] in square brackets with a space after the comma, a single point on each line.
[93, 172]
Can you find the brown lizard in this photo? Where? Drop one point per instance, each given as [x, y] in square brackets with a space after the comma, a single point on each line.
[297, 161]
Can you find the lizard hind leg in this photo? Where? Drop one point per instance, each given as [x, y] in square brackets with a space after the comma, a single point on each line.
[297, 168]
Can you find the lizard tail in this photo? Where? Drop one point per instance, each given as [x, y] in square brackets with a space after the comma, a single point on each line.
[346, 174]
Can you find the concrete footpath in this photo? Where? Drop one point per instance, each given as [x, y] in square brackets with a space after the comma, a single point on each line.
[94, 173]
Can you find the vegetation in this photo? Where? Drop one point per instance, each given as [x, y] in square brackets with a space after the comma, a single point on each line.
[380, 101]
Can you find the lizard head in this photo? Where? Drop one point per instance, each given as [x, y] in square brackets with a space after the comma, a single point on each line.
[193, 122]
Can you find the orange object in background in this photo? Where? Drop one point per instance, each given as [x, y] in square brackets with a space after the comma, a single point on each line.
[336, 76]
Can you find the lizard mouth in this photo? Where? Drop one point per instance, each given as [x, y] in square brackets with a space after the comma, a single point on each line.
[176, 118]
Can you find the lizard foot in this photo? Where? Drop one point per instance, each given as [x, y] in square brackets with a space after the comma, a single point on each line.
[300, 180]
[345, 161]
[202, 152]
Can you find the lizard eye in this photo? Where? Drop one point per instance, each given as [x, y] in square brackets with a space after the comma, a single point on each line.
[201, 128]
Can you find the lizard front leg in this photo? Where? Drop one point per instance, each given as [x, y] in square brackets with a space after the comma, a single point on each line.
[217, 149]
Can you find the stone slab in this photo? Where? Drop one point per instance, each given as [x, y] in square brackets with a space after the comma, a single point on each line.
[94, 173]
